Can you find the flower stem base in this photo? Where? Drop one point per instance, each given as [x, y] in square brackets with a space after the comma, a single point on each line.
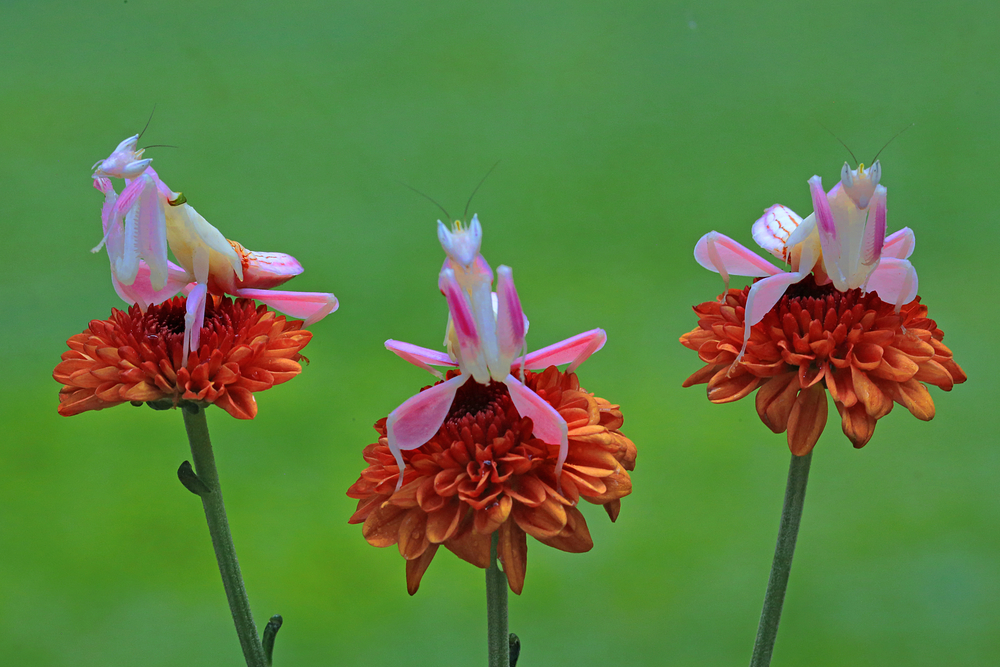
[222, 539]
[496, 610]
[781, 566]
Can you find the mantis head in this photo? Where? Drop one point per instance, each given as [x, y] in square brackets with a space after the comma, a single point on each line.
[461, 242]
[860, 183]
[125, 162]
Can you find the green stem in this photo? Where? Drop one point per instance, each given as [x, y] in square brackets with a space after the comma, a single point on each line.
[496, 610]
[791, 514]
[222, 539]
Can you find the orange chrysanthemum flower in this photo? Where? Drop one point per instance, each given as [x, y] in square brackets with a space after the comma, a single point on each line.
[818, 339]
[484, 471]
[136, 356]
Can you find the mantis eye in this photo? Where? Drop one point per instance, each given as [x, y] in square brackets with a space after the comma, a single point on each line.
[135, 169]
[846, 177]
[875, 174]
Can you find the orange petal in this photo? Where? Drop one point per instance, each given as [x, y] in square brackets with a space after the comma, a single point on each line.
[413, 534]
[807, 419]
[775, 400]
[914, 397]
[725, 388]
[858, 425]
[489, 519]
[613, 509]
[575, 537]
[618, 485]
[512, 550]
[934, 373]
[443, 523]
[704, 374]
[381, 528]
[841, 387]
[546, 520]
[469, 545]
[896, 366]
[415, 568]
[875, 401]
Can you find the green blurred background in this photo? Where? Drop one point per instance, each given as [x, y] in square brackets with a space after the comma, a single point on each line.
[625, 131]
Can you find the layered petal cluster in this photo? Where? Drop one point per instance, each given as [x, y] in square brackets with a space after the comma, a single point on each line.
[816, 339]
[138, 356]
[484, 471]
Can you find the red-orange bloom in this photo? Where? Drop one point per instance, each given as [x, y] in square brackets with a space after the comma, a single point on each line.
[136, 356]
[818, 339]
[484, 471]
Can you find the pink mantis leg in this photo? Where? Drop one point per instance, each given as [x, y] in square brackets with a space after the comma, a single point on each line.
[145, 235]
[873, 239]
[547, 424]
[899, 244]
[421, 356]
[310, 306]
[511, 323]
[717, 252]
[419, 417]
[141, 291]
[764, 294]
[194, 319]
[895, 281]
[573, 351]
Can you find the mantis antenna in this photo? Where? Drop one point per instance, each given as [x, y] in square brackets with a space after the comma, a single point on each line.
[146, 127]
[427, 197]
[891, 140]
[465, 214]
[842, 141]
[158, 146]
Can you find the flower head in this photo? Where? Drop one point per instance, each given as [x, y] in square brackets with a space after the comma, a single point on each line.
[817, 338]
[493, 446]
[846, 318]
[485, 470]
[138, 356]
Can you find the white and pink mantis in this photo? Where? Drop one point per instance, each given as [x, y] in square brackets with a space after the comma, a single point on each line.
[147, 217]
[485, 336]
[842, 242]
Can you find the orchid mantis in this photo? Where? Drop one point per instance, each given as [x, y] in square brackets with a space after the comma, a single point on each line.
[485, 340]
[140, 223]
[842, 242]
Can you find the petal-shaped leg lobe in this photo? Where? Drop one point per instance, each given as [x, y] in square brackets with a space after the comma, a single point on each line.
[153, 232]
[511, 327]
[573, 350]
[828, 235]
[548, 424]
[194, 319]
[895, 281]
[125, 264]
[874, 235]
[141, 291]
[310, 306]
[717, 252]
[899, 244]
[419, 417]
[421, 356]
[464, 322]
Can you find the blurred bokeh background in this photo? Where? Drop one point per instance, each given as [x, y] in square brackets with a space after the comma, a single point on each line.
[625, 131]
